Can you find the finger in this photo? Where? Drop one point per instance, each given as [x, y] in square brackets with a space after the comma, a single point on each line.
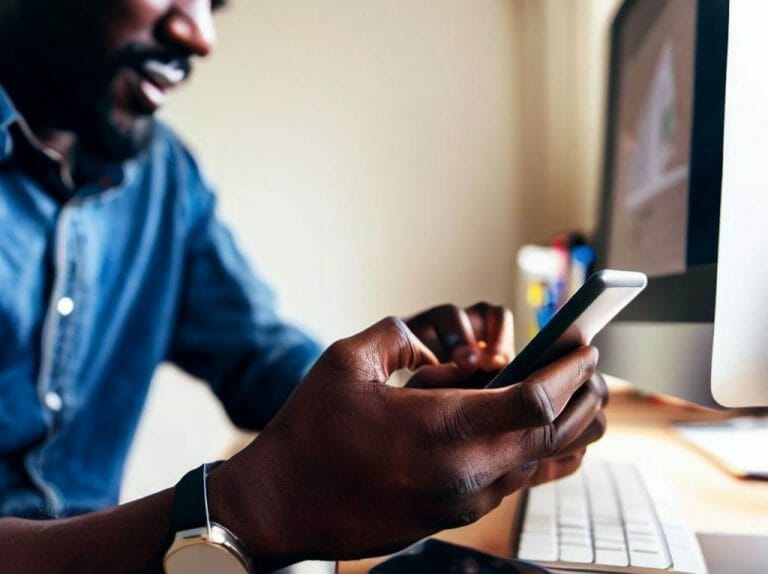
[533, 403]
[467, 510]
[517, 478]
[601, 386]
[549, 441]
[593, 433]
[494, 329]
[556, 468]
[546, 441]
[468, 500]
[377, 352]
[448, 332]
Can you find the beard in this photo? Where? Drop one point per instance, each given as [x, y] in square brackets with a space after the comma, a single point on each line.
[98, 102]
[68, 80]
[109, 134]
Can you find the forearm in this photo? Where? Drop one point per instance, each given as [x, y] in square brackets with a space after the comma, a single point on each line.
[126, 539]
[255, 390]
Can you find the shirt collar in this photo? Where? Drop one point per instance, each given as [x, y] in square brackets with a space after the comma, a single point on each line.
[113, 174]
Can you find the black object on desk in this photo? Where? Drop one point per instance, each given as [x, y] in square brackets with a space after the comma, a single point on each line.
[436, 557]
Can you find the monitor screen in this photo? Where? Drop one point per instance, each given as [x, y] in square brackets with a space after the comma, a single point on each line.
[648, 223]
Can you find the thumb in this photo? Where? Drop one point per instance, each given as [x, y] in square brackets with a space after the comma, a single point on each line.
[377, 352]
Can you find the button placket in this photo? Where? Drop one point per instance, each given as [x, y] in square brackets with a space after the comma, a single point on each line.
[57, 347]
[64, 319]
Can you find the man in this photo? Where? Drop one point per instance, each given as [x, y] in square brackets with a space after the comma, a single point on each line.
[112, 260]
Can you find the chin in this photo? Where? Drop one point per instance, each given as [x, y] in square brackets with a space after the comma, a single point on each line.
[114, 137]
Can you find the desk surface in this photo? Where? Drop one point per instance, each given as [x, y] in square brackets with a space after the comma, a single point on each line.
[639, 430]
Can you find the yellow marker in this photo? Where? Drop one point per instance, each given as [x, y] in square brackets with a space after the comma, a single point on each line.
[535, 295]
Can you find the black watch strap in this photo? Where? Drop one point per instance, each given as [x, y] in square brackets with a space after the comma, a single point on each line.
[190, 500]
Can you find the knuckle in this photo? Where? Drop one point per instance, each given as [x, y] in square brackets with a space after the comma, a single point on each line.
[543, 441]
[393, 326]
[549, 442]
[338, 355]
[456, 425]
[460, 483]
[537, 402]
[466, 485]
[588, 362]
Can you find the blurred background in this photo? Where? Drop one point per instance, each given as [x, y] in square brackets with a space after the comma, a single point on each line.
[379, 158]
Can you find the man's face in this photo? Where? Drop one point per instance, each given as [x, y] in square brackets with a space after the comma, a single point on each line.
[102, 68]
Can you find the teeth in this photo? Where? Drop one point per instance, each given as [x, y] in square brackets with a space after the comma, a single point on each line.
[166, 75]
[153, 94]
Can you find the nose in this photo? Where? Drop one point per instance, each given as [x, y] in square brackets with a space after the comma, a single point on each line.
[190, 27]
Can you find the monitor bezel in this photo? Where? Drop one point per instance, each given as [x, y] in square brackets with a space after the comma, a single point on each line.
[672, 298]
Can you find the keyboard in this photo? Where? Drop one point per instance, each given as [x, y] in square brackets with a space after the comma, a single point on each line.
[608, 517]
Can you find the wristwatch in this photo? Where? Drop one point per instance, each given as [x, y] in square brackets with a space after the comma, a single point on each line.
[200, 545]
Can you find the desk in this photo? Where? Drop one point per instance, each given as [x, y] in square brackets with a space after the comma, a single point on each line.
[639, 429]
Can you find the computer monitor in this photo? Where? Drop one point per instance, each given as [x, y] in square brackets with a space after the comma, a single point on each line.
[662, 203]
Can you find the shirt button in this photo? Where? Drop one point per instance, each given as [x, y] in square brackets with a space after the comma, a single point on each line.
[54, 401]
[65, 306]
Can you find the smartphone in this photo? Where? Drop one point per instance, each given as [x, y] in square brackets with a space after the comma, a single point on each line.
[574, 325]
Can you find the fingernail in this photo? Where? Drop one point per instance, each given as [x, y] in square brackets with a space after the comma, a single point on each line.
[500, 360]
[529, 465]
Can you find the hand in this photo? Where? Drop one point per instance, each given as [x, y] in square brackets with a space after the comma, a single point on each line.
[568, 459]
[478, 337]
[351, 467]
[455, 334]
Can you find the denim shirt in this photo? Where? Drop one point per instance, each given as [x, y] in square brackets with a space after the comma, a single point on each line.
[97, 287]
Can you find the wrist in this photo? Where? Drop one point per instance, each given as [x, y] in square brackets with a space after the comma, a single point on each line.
[247, 502]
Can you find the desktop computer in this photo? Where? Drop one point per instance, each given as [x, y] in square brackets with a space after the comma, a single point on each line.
[684, 200]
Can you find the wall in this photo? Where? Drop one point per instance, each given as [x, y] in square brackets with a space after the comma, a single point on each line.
[368, 155]
[564, 50]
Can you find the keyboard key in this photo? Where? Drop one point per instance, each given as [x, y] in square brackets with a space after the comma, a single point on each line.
[649, 560]
[575, 539]
[580, 554]
[688, 559]
[538, 547]
[608, 532]
[611, 557]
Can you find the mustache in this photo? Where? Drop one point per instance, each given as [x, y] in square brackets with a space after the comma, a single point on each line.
[135, 56]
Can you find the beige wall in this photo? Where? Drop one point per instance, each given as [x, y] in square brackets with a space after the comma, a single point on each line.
[367, 154]
[379, 157]
[564, 54]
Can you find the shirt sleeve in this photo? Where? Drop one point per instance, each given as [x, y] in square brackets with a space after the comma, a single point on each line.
[228, 332]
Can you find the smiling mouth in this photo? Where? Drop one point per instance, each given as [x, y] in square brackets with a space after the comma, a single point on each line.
[156, 79]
